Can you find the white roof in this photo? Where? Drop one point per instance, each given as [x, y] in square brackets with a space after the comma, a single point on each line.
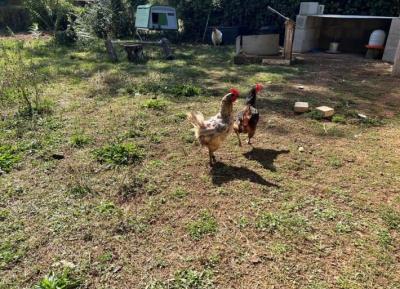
[351, 16]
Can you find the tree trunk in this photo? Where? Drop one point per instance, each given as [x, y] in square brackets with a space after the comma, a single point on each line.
[111, 50]
[396, 65]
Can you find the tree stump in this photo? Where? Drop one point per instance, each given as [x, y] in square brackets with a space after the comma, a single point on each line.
[134, 52]
[396, 65]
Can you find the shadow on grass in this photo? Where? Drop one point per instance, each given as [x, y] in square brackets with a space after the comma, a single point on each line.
[222, 173]
[266, 157]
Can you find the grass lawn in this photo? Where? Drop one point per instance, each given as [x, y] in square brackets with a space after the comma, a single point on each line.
[108, 188]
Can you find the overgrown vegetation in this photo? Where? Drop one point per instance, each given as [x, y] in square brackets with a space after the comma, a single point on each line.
[21, 81]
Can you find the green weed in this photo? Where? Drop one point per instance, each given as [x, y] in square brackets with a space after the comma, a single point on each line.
[107, 208]
[385, 239]
[205, 225]
[9, 157]
[58, 281]
[281, 222]
[79, 140]
[335, 162]
[179, 193]
[391, 218]
[120, 154]
[186, 90]
[338, 118]
[80, 191]
[155, 104]
[315, 114]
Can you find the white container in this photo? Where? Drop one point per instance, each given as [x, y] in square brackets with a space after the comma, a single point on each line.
[309, 8]
[321, 9]
[262, 45]
[333, 47]
[377, 38]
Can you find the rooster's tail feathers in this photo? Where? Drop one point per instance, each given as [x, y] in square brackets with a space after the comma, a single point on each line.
[196, 119]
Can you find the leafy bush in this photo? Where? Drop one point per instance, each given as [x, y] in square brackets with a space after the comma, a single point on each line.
[8, 158]
[119, 154]
[66, 37]
[104, 19]
[52, 15]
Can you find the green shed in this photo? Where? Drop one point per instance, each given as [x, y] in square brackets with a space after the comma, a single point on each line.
[156, 17]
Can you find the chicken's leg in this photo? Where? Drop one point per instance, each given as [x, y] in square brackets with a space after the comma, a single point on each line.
[213, 160]
[250, 136]
[238, 136]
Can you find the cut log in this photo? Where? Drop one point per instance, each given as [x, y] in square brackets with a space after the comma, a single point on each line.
[134, 52]
[396, 65]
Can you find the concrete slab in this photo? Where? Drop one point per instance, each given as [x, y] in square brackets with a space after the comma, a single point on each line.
[326, 111]
[301, 107]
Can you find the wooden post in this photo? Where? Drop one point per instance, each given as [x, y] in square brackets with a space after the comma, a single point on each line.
[289, 36]
[396, 65]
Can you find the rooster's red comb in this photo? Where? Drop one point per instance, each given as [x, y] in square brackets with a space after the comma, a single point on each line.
[234, 91]
[259, 87]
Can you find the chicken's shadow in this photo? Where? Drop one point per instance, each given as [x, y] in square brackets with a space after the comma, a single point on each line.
[266, 157]
[222, 173]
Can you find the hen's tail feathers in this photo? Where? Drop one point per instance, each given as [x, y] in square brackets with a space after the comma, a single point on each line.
[196, 119]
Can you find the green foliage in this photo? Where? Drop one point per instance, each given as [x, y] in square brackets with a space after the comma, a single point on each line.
[119, 154]
[280, 222]
[392, 218]
[104, 19]
[21, 81]
[52, 15]
[8, 158]
[14, 19]
[107, 208]
[338, 118]
[315, 114]
[80, 191]
[186, 90]
[205, 225]
[79, 140]
[156, 104]
[58, 281]
[180, 193]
